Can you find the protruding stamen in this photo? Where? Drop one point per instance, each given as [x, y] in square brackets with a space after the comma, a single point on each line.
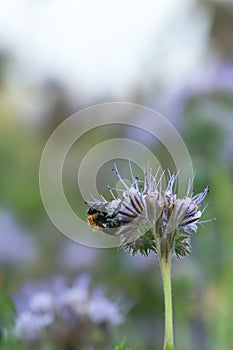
[200, 196]
[131, 172]
[111, 191]
[190, 185]
[119, 177]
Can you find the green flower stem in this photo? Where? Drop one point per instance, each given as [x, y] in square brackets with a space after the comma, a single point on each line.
[166, 276]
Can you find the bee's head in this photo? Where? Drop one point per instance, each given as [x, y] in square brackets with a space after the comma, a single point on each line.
[92, 210]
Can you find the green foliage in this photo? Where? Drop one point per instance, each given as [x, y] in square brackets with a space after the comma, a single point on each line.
[19, 158]
[7, 317]
[202, 133]
[182, 247]
[10, 343]
[121, 346]
[143, 245]
[7, 314]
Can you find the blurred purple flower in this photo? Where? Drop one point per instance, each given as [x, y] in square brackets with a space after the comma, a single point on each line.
[218, 78]
[215, 78]
[30, 292]
[53, 311]
[42, 302]
[102, 310]
[30, 326]
[75, 256]
[210, 87]
[17, 246]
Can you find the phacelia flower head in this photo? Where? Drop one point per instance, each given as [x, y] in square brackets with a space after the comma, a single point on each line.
[148, 216]
[65, 316]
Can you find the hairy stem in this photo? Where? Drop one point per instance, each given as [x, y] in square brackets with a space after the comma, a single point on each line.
[165, 265]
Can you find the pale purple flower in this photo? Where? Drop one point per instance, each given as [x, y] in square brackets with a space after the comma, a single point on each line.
[41, 302]
[217, 78]
[76, 299]
[148, 216]
[17, 245]
[31, 326]
[54, 311]
[101, 310]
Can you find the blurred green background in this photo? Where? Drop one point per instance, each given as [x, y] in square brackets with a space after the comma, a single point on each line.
[176, 57]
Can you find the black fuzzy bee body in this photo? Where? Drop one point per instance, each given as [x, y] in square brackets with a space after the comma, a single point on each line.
[99, 218]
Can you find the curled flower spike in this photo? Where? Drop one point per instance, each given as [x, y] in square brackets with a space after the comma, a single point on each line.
[149, 217]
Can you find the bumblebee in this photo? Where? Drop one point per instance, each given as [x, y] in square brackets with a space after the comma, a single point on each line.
[99, 218]
[111, 215]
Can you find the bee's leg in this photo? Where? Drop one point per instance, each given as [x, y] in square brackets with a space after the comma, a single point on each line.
[113, 215]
